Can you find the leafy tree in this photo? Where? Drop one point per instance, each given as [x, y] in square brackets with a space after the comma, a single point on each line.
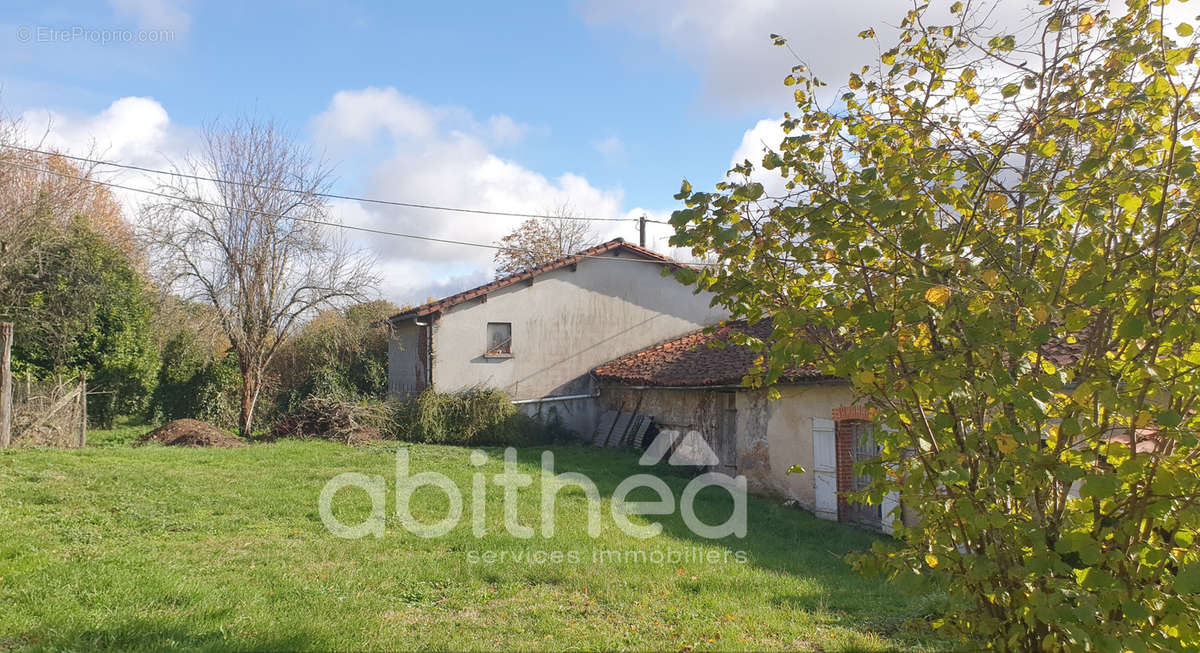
[541, 240]
[79, 304]
[994, 238]
[42, 196]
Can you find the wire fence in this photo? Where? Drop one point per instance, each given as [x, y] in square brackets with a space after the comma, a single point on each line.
[49, 413]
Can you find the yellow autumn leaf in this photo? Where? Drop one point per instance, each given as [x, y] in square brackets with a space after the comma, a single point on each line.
[938, 295]
[1006, 444]
[996, 201]
[1041, 314]
[991, 278]
[866, 377]
[931, 560]
[1086, 22]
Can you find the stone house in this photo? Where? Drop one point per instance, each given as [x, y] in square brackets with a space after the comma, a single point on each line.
[686, 386]
[537, 335]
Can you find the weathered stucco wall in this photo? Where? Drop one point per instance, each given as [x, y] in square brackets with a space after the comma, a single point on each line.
[577, 415]
[790, 439]
[762, 441]
[563, 325]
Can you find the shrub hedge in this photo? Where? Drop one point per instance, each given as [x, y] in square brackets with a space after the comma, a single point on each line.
[472, 416]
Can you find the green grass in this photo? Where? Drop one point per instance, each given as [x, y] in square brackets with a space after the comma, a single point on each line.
[157, 548]
[124, 431]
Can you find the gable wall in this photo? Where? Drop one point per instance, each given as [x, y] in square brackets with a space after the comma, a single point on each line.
[563, 325]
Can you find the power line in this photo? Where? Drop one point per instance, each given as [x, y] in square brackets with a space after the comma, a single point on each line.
[326, 223]
[367, 200]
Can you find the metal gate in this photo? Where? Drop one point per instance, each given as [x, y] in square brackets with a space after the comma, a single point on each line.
[864, 448]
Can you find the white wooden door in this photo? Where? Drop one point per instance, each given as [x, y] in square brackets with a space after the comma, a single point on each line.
[825, 468]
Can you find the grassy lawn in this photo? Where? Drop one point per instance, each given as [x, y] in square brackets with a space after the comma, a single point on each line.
[161, 548]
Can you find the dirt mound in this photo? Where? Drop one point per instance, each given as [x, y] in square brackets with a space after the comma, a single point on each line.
[191, 433]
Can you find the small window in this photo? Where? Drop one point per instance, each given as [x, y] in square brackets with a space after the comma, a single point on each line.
[499, 338]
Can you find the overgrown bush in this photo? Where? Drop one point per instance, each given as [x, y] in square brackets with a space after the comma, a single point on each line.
[333, 416]
[340, 352]
[477, 416]
[194, 384]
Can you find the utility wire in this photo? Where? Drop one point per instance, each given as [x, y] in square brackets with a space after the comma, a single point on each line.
[338, 225]
[368, 200]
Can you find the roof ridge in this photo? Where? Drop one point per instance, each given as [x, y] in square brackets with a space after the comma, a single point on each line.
[457, 298]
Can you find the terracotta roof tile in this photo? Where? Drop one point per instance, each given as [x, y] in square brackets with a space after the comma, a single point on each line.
[690, 361]
[458, 298]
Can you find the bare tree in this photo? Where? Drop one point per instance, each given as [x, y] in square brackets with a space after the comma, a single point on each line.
[254, 240]
[541, 240]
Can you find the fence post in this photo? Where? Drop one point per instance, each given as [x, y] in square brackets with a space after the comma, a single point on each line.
[82, 409]
[6, 336]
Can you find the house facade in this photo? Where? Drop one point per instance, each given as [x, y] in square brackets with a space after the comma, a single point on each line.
[686, 386]
[538, 334]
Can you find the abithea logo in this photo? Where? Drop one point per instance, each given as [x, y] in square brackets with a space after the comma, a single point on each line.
[691, 450]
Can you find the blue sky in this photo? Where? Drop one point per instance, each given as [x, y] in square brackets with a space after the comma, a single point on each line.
[605, 105]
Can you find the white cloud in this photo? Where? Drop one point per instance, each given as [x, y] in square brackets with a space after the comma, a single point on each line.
[355, 117]
[506, 131]
[765, 135]
[131, 130]
[156, 14]
[360, 117]
[610, 146]
[729, 41]
[442, 155]
[729, 45]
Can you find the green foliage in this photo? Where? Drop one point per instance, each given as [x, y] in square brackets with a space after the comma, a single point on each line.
[995, 241]
[477, 416]
[192, 383]
[80, 305]
[338, 352]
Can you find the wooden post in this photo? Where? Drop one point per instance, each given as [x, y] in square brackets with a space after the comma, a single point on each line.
[6, 337]
[82, 409]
